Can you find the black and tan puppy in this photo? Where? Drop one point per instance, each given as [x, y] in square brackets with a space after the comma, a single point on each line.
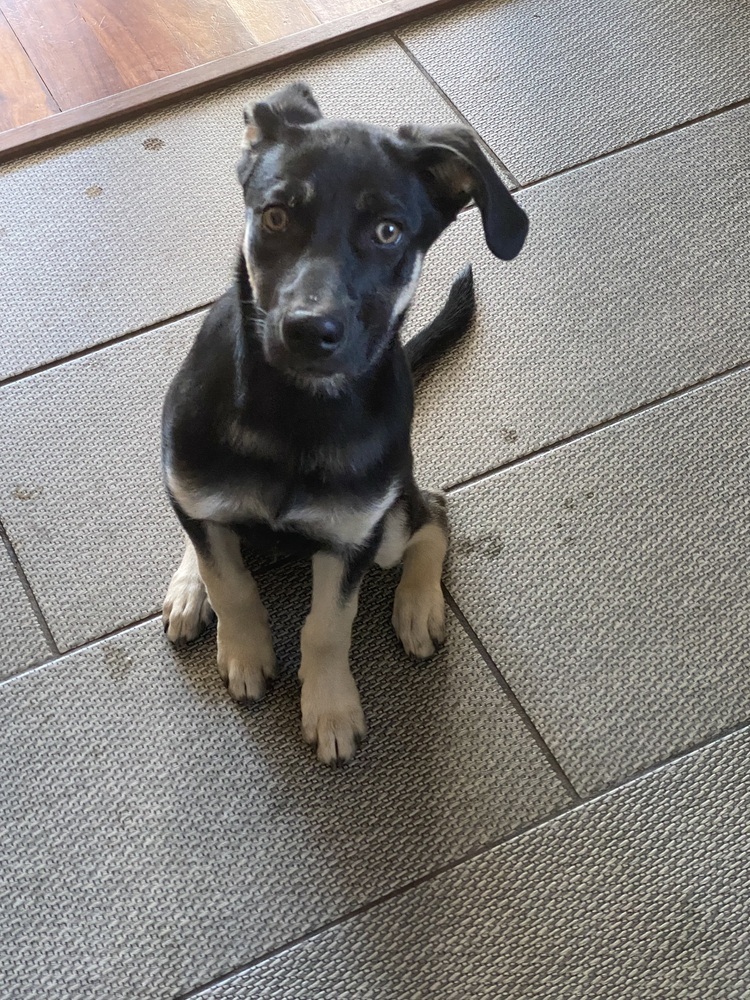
[289, 422]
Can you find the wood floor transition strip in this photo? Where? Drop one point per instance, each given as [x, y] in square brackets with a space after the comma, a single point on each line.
[49, 131]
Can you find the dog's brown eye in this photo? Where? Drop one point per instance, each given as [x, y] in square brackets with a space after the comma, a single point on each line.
[275, 219]
[387, 233]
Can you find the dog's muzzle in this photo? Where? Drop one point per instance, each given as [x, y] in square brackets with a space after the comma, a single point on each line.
[309, 342]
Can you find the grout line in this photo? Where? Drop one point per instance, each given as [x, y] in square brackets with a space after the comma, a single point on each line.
[527, 829]
[681, 126]
[533, 731]
[523, 186]
[596, 428]
[41, 620]
[489, 152]
[258, 574]
[380, 900]
[614, 786]
[62, 654]
[113, 633]
[95, 348]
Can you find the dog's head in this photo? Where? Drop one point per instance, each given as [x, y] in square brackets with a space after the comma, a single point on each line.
[339, 217]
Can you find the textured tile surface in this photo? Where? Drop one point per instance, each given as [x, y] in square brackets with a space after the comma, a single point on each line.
[81, 493]
[158, 836]
[552, 83]
[22, 642]
[642, 894]
[608, 580]
[635, 281]
[131, 232]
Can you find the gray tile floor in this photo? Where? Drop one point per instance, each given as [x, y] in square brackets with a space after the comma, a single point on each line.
[558, 805]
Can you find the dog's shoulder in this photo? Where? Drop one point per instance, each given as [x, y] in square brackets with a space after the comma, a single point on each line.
[199, 399]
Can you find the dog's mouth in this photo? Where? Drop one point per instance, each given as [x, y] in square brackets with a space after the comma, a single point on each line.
[304, 369]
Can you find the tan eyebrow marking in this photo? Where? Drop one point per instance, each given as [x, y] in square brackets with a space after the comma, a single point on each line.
[291, 194]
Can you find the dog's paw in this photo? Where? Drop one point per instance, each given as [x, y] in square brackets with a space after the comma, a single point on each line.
[332, 717]
[419, 619]
[186, 610]
[245, 663]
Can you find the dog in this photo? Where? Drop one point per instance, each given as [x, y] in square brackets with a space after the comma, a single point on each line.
[288, 426]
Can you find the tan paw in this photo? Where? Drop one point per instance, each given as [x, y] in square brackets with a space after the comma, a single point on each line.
[246, 662]
[419, 619]
[186, 611]
[332, 717]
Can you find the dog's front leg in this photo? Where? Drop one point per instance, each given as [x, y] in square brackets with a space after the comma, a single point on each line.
[332, 717]
[186, 610]
[245, 648]
[419, 608]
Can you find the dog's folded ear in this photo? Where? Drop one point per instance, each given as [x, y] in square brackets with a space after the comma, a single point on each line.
[285, 110]
[455, 170]
[273, 120]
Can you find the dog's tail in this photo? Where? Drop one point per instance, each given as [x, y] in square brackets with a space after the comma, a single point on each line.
[450, 324]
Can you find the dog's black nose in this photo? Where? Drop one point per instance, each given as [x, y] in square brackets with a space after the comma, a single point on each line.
[310, 335]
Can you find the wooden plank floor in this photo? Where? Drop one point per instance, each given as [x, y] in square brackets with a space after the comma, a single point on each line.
[56, 55]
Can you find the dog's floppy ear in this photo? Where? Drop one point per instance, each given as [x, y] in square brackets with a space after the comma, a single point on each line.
[455, 171]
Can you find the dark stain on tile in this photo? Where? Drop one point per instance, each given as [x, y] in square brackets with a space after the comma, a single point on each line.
[490, 546]
[571, 503]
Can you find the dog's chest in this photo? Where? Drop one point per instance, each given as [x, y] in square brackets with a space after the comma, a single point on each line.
[286, 507]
